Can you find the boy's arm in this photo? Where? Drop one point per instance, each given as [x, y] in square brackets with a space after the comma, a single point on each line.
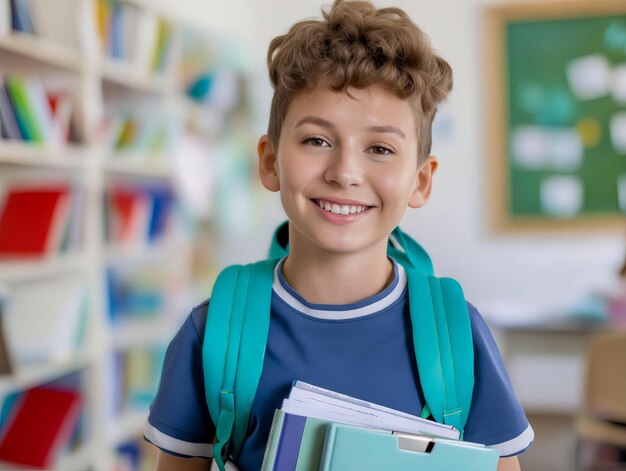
[167, 462]
[509, 464]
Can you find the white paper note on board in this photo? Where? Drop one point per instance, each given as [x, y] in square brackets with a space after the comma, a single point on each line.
[561, 196]
[617, 130]
[530, 146]
[566, 149]
[589, 76]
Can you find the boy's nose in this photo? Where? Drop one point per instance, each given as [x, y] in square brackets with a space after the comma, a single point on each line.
[344, 169]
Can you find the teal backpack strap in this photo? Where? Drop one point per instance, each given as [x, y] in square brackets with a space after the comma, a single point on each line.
[444, 349]
[409, 253]
[234, 349]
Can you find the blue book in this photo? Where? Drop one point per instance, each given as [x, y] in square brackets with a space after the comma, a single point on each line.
[162, 199]
[20, 16]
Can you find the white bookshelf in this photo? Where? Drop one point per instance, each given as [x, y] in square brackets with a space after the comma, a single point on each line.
[59, 157]
[29, 376]
[124, 75]
[92, 165]
[55, 265]
[139, 166]
[45, 52]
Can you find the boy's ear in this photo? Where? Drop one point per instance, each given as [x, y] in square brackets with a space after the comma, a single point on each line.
[268, 166]
[423, 182]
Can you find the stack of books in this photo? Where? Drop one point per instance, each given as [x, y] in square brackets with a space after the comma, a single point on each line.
[38, 110]
[138, 215]
[319, 429]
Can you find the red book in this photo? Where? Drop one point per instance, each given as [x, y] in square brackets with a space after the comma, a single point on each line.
[33, 219]
[39, 426]
[129, 212]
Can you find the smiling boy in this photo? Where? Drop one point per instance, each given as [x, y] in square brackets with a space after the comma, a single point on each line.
[348, 148]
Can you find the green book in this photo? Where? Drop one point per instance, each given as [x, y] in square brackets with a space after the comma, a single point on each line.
[23, 110]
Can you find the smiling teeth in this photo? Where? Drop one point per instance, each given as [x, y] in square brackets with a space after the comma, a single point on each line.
[338, 209]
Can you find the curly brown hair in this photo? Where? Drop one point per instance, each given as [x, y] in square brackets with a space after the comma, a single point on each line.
[357, 45]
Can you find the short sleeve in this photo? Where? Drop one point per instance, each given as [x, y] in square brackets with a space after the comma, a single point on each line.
[179, 422]
[496, 417]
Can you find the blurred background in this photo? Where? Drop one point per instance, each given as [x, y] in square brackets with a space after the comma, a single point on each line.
[128, 180]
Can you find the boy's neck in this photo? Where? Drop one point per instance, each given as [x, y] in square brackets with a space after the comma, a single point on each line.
[338, 278]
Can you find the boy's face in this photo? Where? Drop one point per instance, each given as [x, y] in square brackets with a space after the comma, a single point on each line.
[346, 168]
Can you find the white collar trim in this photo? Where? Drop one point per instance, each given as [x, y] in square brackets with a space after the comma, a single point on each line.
[340, 314]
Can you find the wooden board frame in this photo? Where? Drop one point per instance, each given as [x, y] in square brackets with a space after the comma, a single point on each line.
[495, 20]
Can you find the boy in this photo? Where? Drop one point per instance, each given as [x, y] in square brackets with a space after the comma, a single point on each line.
[348, 148]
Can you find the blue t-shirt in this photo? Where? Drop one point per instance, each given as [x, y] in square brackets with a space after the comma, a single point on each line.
[364, 350]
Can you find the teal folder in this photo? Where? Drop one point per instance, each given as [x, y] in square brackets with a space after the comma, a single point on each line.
[347, 447]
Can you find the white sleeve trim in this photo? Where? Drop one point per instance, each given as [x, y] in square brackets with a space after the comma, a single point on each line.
[158, 438]
[517, 444]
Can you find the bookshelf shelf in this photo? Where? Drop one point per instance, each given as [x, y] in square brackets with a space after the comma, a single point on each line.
[123, 74]
[149, 166]
[64, 157]
[23, 270]
[30, 376]
[42, 51]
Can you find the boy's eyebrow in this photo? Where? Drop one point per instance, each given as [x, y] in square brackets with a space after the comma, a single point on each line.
[390, 129]
[327, 124]
[315, 120]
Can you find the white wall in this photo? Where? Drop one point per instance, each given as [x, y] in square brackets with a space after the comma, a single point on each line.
[503, 275]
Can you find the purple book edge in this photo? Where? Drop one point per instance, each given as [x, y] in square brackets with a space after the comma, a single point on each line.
[289, 443]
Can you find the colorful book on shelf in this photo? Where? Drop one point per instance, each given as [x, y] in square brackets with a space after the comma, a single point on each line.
[159, 59]
[129, 215]
[20, 16]
[23, 109]
[32, 220]
[7, 114]
[115, 47]
[39, 425]
[142, 370]
[45, 319]
[147, 31]
[103, 15]
[34, 109]
[6, 361]
[136, 292]
[138, 215]
[162, 201]
[72, 238]
[58, 101]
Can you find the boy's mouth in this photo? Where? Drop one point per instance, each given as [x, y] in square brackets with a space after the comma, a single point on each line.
[343, 209]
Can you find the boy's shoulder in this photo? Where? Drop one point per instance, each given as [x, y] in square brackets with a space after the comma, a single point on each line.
[198, 317]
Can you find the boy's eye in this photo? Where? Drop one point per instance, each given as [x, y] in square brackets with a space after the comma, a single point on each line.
[381, 150]
[316, 141]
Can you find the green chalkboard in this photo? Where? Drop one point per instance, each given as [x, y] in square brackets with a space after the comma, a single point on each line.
[566, 131]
